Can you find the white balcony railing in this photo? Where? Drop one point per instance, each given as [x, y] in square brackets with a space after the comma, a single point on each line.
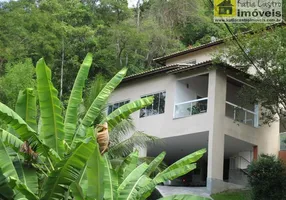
[189, 108]
[241, 114]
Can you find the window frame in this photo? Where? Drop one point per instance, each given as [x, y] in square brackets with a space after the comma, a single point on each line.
[153, 94]
[116, 102]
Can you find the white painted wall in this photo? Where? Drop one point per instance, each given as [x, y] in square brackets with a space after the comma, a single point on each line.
[188, 89]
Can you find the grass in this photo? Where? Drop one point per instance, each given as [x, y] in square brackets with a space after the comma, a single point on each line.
[233, 195]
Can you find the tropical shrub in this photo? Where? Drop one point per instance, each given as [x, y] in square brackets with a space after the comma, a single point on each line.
[55, 145]
[58, 157]
[267, 178]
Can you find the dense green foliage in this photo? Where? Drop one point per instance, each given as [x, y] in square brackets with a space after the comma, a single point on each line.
[18, 76]
[267, 178]
[58, 146]
[233, 195]
[117, 35]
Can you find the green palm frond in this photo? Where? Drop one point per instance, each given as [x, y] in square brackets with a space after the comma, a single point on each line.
[121, 130]
[136, 140]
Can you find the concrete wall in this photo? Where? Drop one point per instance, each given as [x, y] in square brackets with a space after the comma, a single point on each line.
[213, 121]
[162, 125]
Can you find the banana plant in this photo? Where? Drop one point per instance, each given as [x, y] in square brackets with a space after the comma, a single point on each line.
[130, 181]
[45, 160]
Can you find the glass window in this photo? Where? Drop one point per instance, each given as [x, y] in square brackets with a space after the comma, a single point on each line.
[114, 106]
[158, 106]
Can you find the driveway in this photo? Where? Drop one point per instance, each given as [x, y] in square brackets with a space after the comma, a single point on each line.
[173, 190]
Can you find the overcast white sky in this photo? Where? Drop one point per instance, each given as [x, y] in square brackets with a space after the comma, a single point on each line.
[132, 3]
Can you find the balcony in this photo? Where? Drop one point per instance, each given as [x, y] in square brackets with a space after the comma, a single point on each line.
[241, 115]
[191, 96]
[237, 107]
[189, 108]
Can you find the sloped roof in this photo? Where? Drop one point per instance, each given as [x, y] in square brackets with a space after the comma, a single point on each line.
[161, 59]
[179, 53]
[225, 3]
[172, 69]
[151, 72]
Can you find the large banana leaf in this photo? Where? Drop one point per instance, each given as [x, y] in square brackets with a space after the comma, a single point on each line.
[10, 139]
[186, 160]
[6, 192]
[27, 174]
[22, 188]
[124, 111]
[135, 189]
[97, 105]
[77, 191]
[26, 107]
[95, 174]
[126, 188]
[75, 99]
[80, 186]
[51, 111]
[172, 174]
[145, 189]
[110, 181]
[155, 163]
[184, 197]
[6, 164]
[128, 165]
[7, 170]
[67, 171]
[25, 132]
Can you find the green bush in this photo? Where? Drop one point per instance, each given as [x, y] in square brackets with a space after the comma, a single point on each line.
[267, 178]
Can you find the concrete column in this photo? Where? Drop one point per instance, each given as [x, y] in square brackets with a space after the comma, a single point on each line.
[216, 111]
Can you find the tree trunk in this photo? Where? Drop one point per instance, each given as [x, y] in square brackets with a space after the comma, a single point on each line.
[138, 14]
[62, 68]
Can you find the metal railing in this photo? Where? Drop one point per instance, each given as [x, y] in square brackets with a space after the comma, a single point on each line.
[239, 162]
[241, 114]
[189, 108]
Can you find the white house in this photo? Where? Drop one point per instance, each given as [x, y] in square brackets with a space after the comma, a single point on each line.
[196, 106]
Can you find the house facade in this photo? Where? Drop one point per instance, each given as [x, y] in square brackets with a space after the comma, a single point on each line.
[196, 105]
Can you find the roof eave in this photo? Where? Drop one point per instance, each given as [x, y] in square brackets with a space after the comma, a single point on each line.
[161, 60]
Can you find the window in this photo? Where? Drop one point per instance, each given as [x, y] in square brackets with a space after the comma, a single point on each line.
[114, 106]
[158, 106]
